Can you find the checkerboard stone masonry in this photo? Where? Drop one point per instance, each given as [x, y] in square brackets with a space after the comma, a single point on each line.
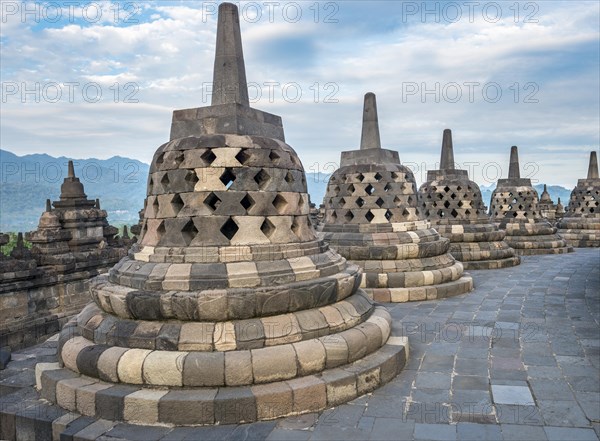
[454, 206]
[229, 309]
[580, 226]
[514, 208]
[373, 219]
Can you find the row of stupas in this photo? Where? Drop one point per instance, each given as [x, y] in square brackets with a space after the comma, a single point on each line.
[231, 307]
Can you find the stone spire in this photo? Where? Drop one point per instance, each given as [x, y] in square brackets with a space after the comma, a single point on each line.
[370, 125]
[593, 167]
[72, 188]
[48, 205]
[513, 168]
[229, 75]
[545, 196]
[447, 159]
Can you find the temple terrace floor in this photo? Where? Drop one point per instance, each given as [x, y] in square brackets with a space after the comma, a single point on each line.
[516, 359]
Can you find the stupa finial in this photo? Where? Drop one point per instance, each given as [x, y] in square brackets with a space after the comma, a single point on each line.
[369, 138]
[593, 167]
[447, 159]
[48, 206]
[513, 168]
[229, 75]
[71, 170]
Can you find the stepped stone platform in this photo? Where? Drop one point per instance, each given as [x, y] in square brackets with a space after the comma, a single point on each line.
[514, 208]
[580, 226]
[454, 206]
[373, 219]
[229, 309]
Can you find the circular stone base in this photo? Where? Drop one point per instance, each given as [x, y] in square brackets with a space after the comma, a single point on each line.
[221, 405]
[491, 264]
[413, 294]
[536, 251]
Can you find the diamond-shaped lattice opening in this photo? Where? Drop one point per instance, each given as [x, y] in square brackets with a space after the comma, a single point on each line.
[360, 202]
[177, 203]
[212, 201]
[348, 216]
[351, 188]
[208, 157]
[441, 213]
[227, 178]
[397, 200]
[289, 177]
[447, 204]
[274, 157]
[161, 159]
[446, 189]
[409, 200]
[247, 202]
[296, 226]
[189, 232]
[300, 202]
[388, 214]
[459, 188]
[191, 177]
[460, 204]
[380, 202]
[467, 212]
[262, 178]
[342, 202]
[378, 177]
[453, 196]
[243, 156]
[360, 177]
[155, 206]
[165, 179]
[387, 187]
[405, 212]
[434, 204]
[514, 201]
[440, 196]
[267, 228]
[280, 204]
[333, 215]
[454, 213]
[229, 228]
[161, 230]
[369, 216]
[336, 190]
[369, 189]
[395, 176]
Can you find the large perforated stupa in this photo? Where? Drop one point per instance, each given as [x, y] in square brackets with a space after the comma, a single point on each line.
[514, 208]
[454, 205]
[372, 218]
[229, 309]
[580, 226]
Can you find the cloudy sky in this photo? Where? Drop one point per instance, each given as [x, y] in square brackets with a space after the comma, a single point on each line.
[96, 79]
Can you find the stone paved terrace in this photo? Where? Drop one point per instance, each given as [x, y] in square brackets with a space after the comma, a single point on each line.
[516, 359]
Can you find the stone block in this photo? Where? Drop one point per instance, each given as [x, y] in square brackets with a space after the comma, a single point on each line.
[164, 368]
[311, 356]
[274, 363]
[238, 368]
[204, 369]
[273, 400]
[86, 398]
[108, 362]
[233, 405]
[310, 394]
[336, 350]
[185, 407]
[196, 337]
[142, 406]
[129, 368]
[341, 386]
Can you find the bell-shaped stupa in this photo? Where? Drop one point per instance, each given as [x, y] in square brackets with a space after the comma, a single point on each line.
[229, 309]
[546, 206]
[580, 226]
[514, 208]
[454, 206]
[372, 218]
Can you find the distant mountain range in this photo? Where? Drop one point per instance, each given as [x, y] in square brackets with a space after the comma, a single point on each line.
[120, 184]
[27, 181]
